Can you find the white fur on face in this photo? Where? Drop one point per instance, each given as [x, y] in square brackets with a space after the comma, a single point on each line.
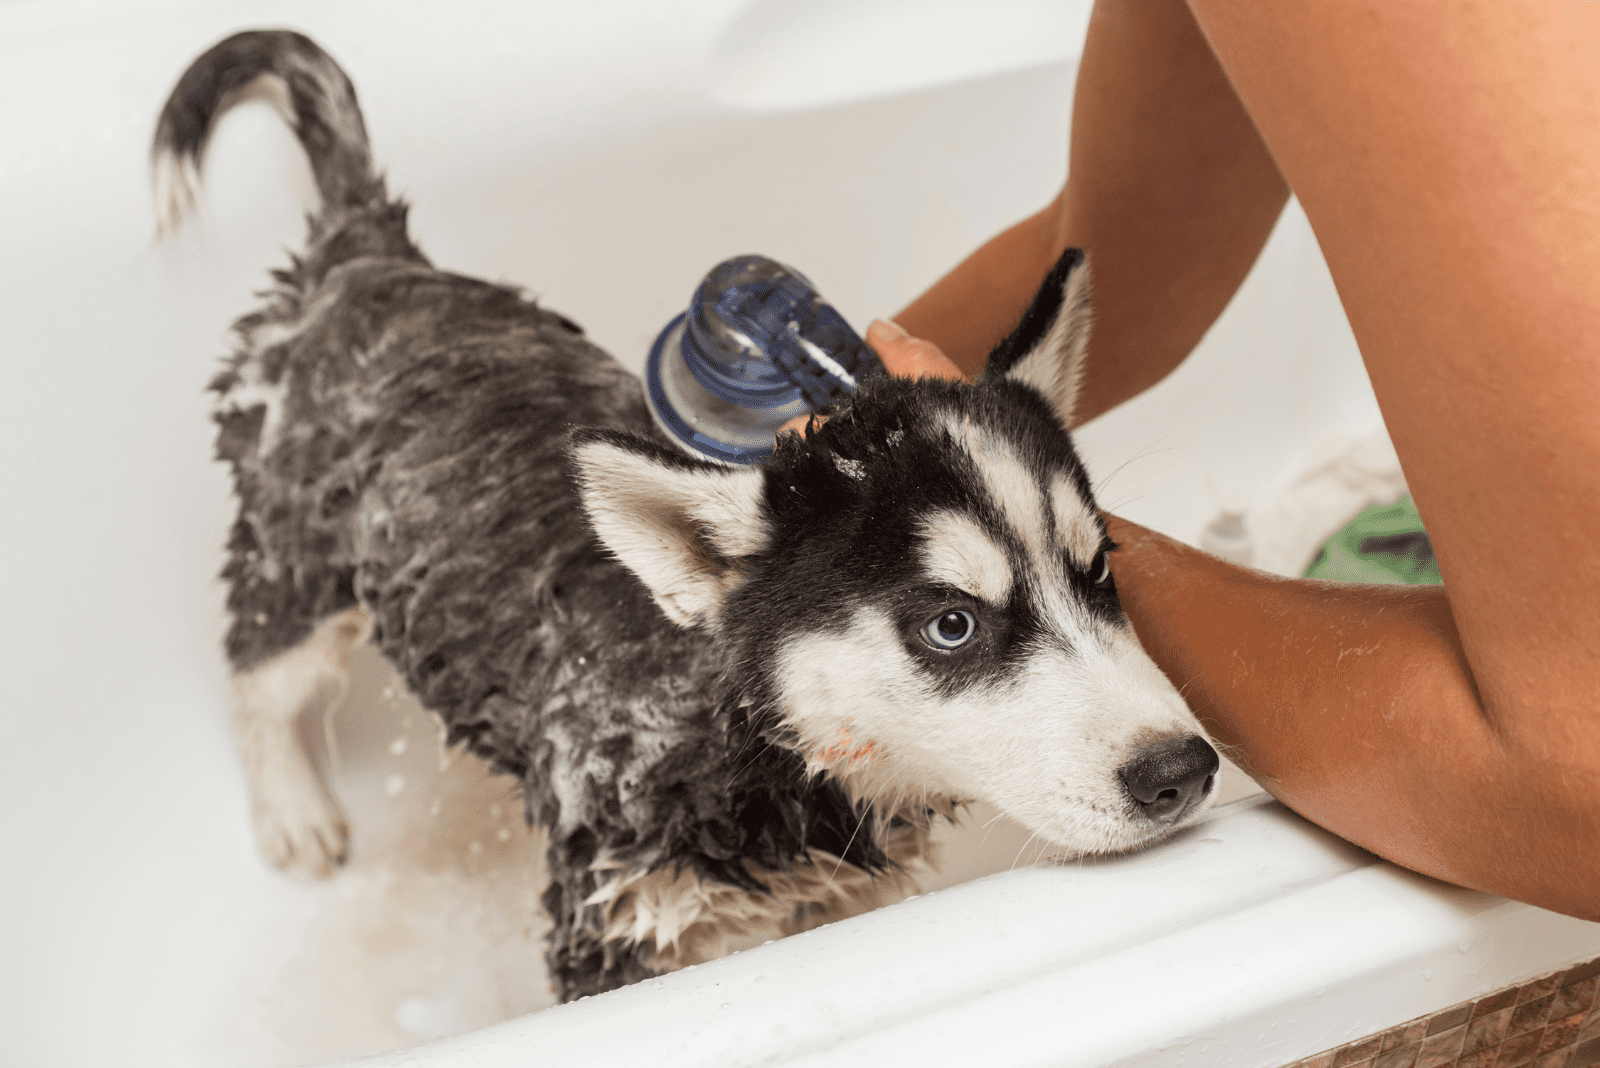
[1076, 528]
[958, 552]
[653, 516]
[1010, 482]
[1042, 741]
[1011, 485]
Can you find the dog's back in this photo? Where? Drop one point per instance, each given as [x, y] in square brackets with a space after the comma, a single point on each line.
[396, 438]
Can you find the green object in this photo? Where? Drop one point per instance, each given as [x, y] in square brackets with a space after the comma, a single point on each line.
[1384, 544]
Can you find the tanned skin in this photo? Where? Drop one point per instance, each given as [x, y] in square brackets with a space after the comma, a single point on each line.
[1448, 158]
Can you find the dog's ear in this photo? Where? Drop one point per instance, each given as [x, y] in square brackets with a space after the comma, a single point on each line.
[1047, 348]
[682, 526]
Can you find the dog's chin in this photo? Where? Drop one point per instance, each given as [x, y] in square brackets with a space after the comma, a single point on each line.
[1112, 836]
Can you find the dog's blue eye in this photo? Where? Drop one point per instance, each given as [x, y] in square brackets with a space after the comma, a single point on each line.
[951, 630]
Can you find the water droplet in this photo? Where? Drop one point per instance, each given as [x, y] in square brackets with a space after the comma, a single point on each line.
[582, 661]
[397, 747]
[503, 834]
[394, 784]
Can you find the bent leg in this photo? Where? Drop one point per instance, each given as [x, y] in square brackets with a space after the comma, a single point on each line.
[298, 824]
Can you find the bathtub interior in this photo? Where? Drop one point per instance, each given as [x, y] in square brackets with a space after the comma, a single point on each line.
[603, 158]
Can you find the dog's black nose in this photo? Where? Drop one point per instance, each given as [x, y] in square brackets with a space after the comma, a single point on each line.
[1170, 777]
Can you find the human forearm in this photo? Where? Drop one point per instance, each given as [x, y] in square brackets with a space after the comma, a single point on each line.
[969, 310]
[1355, 706]
[1170, 192]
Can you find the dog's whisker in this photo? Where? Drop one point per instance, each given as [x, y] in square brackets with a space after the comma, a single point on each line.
[1154, 448]
[1018, 858]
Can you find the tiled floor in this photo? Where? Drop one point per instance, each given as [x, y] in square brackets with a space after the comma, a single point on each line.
[1552, 1022]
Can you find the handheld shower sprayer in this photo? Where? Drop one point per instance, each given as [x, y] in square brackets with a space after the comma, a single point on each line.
[757, 346]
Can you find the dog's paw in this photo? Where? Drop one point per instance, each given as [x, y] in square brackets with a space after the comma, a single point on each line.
[305, 837]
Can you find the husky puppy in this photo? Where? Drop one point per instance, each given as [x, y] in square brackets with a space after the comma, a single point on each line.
[737, 698]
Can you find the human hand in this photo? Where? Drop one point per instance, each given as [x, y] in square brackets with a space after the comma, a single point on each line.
[902, 355]
[907, 356]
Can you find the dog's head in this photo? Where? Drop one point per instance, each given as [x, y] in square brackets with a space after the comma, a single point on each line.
[918, 593]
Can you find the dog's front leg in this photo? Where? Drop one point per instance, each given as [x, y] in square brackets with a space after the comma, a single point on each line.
[580, 958]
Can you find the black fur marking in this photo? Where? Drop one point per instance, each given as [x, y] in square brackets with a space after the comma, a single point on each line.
[1038, 319]
[843, 541]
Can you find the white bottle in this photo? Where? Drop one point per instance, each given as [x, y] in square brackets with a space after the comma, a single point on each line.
[1228, 538]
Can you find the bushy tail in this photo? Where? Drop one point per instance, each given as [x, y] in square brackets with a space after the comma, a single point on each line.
[302, 81]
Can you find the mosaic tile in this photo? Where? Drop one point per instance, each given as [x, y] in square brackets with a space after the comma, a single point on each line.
[1562, 1032]
[1399, 1057]
[1487, 1031]
[1575, 997]
[1549, 1022]
[1405, 1034]
[1519, 1049]
[1356, 1052]
[1585, 1054]
[1321, 1060]
[1540, 988]
[1554, 1059]
[1442, 1049]
[1500, 999]
[1531, 1015]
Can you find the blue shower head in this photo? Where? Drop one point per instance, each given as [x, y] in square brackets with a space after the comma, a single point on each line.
[757, 347]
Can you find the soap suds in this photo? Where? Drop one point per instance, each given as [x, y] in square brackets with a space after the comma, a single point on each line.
[434, 926]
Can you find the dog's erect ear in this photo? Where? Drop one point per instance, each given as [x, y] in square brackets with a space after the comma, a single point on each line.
[682, 526]
[1047, 348]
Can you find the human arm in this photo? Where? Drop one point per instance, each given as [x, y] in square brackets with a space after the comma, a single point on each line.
[1356, 706]
[1448, 165]
[1170, 191]
[1451, 189]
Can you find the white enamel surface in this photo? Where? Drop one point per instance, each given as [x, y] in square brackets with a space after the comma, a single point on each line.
[1251, 939]
[604, 155]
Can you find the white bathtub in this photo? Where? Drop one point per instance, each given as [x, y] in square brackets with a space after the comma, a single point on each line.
[604, 158]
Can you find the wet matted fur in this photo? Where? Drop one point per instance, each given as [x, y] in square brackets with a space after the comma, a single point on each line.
[738, 710]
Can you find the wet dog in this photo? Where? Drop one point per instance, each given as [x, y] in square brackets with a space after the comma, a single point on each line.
[739, 699]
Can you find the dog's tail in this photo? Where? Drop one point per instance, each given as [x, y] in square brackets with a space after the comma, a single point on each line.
[306, 86]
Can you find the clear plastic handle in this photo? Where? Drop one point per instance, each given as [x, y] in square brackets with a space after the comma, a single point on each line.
[757, 347]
